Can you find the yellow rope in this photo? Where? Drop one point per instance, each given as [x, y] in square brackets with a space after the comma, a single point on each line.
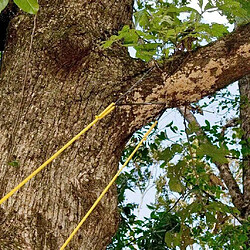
[100, 116]
[107, 188]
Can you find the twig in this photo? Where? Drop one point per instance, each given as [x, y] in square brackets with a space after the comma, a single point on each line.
[177, 201]
[229, 124]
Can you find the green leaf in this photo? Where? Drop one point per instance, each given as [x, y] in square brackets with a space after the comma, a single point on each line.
[130, 37]
[217, 206]
[195, 207]
[3, 4]
[145, 35]
[166, 155]
[169, 34]
[111, 40]
[215, 153]
[170, 124]
[107, 44]
[175, 185]
[192, 128]
[218, 30]
[150, 207]
[200, 2]
[172, 239]
[245, 4]
[209, 6]
[14, 163]
[210, 218]
[145, 55]
[141, 18]
[177, 148]
[29, 6]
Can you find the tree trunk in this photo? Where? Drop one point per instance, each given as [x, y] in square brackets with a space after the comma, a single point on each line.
[244, 85]
[55, 78]
[66, 86]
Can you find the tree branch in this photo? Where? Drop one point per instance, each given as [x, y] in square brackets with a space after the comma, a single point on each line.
[244, 85]
[224, 170]
[231, 123]
[193, 75]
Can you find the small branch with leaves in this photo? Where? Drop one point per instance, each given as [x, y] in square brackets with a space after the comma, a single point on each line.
[224, 169]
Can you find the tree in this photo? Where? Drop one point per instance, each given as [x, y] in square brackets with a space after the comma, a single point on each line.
[56, 76]
[197, 185]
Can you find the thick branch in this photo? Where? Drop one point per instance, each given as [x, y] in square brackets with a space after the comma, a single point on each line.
[196, 74]
[225, 172]
[244, 85]
[206, 70]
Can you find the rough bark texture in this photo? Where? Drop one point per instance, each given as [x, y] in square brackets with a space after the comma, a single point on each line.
[244, 85]
[69, 80]
[201, 72]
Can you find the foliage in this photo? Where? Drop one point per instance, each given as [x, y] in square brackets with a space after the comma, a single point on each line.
[191, 203]
[29, 6]
[163, 28]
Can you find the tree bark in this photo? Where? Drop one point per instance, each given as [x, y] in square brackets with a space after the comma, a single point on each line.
[51, 93]
[69, 81]
[244, 85]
